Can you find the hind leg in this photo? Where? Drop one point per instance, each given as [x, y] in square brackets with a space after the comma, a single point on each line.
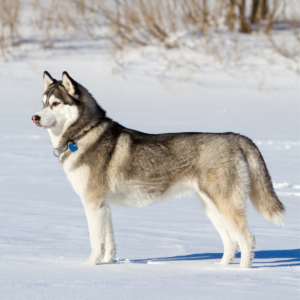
[230, 221]
[234, 219]
[237, 226]
[230, 244]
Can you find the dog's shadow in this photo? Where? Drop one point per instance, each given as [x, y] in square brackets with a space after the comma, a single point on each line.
[270, 258]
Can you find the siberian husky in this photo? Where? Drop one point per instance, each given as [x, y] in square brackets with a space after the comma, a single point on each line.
[107, 163]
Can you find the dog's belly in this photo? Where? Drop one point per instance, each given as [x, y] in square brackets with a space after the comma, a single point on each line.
[133, 194]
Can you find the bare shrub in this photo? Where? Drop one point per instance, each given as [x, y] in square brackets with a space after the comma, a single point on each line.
[9, 23]
[200, 25]
[215, 28]
[55, 20]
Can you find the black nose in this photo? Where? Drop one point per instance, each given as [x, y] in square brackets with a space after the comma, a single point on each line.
[36, 118]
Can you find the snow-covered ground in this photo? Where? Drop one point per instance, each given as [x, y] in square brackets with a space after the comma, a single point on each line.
[165, 251]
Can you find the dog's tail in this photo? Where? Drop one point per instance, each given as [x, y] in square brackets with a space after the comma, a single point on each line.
[262, 193]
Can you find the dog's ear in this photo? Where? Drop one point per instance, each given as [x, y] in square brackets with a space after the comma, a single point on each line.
[70, 85]
[47, 80]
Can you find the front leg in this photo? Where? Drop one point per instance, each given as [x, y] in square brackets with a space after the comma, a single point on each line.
[110, 248]
[96, 217]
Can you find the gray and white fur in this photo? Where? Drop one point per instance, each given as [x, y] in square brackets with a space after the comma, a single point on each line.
[121, 166]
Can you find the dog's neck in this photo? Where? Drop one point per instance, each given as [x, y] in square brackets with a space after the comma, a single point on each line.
[56, 134]
[60, 136]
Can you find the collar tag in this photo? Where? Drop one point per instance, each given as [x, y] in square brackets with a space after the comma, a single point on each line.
[72, 147]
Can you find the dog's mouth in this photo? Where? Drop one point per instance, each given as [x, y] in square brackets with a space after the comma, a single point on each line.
[45, 127]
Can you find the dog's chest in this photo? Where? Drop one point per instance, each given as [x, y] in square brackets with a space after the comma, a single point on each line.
[77, 175]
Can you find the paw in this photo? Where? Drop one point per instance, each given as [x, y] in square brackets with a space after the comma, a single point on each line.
[109, 256]
[93, 260]
[246, 265]
[108, 259]
[226, 261]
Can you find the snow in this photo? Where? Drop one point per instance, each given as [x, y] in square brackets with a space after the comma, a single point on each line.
[166, 251]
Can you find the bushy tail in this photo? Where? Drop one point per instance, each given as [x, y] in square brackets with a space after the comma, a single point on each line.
[262, 193]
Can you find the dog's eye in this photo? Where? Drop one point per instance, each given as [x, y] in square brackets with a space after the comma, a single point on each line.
[55, 104]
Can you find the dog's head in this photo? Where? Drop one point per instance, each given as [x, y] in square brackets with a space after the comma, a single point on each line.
[61, 102]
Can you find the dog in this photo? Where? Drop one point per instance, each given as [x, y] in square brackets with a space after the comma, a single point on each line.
[107, 163]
